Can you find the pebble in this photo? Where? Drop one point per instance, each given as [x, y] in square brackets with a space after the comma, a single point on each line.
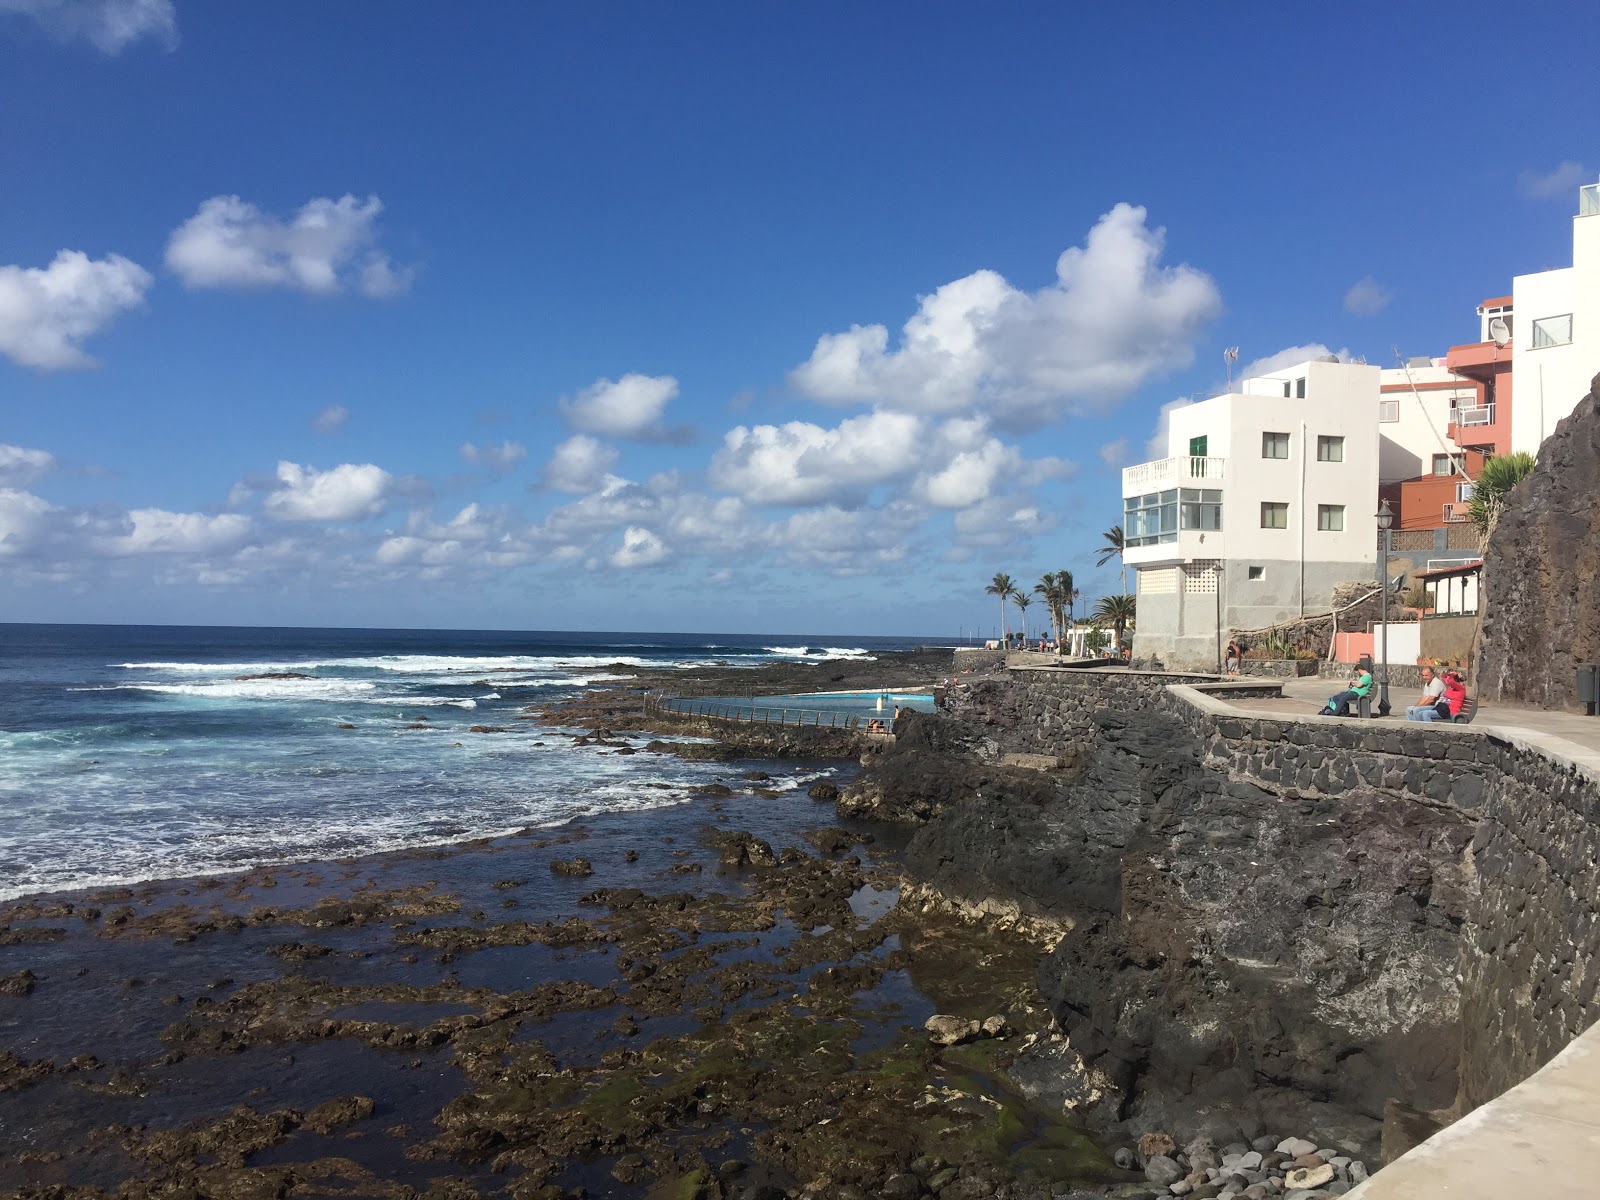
[1267, 1169]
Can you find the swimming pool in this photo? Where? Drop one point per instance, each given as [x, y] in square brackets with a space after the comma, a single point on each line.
[867, 703]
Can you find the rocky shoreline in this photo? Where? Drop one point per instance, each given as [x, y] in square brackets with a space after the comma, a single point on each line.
[745, 997]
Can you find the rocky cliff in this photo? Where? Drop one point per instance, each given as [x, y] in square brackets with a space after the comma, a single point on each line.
[1229, 949]
[1542, 573]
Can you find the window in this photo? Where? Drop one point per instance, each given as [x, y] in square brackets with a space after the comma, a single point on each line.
[1443, 465]
[1274, 515]
[1258, 572]
[1286, 389]
[1330, 449]
[1300, 388]
[1201, 508]
[1463, 493]
[1330, 517]
[1388, 411]
[1197, 446]
[1151, 519]
[1274, 445]
[1552, 331]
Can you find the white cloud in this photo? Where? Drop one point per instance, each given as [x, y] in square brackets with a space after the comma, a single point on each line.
[20, 466]
[326, 247]
[801, 463]
[349, 492]
[579, 464]
[1559, 184]
[22, 518]
[1113, 318]
[630, 407]
[1367, 297]
[46, 314]
[1289, 356]
[1115, 452]
[497, 458]
[156, 531]
[847, 543]
[110, 25]
[331, 419]
[640, 548]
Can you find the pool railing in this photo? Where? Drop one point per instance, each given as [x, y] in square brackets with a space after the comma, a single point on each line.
[755, 714]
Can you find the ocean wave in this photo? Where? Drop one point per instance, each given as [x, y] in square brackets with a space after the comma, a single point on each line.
[822, 653]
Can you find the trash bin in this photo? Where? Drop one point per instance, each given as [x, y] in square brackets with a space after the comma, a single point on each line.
[1589, 687]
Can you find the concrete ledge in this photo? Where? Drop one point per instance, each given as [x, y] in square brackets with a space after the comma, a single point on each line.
[1541, 1138]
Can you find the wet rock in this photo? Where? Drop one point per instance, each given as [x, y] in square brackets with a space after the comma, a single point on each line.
[572, 866]
[20, 984]
[486, 729]
[824, 790]
[336, 1114]
[946, 1030]
[736, 848]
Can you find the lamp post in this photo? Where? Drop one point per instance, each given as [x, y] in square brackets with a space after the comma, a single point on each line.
[1385, 520]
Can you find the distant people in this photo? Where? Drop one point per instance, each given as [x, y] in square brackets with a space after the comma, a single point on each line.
[1339, 703]
[1455, 695]
[1430, 706]
[876, 726]
[1235, 653]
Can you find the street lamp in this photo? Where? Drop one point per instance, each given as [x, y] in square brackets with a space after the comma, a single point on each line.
[1385, 520]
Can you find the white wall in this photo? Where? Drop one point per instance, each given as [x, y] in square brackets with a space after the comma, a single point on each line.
[1405, 643]
[1548, 383]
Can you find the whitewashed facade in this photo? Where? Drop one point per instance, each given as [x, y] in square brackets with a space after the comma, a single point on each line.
[1264, 502]
[1557, 344]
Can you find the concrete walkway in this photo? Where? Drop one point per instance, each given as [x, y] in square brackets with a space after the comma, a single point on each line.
[1306, 696]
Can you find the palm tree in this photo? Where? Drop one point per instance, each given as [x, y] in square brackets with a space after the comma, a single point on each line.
[1002, 586]
[1021, 599]
[1117, 612]
[1489, 490]
[1114, 547]
[1056, 589]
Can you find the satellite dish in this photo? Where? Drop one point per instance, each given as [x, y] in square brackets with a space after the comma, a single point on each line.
[1499, 331]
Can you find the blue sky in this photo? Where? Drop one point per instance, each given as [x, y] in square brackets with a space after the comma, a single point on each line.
[721, 317]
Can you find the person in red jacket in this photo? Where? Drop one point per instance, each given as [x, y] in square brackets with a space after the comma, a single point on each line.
[1455, 695]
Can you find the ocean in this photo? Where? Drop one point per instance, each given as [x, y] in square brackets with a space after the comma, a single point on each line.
[134, 753]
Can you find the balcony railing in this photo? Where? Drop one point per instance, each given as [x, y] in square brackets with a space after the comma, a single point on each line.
[1589, 200]
[1478, 414]
[1170, 472]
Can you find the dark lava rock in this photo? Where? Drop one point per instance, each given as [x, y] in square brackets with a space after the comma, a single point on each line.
[572, 866]
[486, 729]
[20, 984]
[823, 790]
[737, 848]
[336, 1114]
[1540, 619]
[1224, 947]
[832, 840]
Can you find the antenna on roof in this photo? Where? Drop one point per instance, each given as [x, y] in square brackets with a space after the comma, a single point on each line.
[1499, 331]
[1229, 357]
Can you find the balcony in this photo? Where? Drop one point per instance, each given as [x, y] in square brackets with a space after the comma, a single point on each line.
[1457, 512]
[1477, 414]
[1164, 473]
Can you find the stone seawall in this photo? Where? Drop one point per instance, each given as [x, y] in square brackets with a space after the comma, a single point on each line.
[1526, 954]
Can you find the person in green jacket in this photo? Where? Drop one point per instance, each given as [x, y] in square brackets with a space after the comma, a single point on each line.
[1339, 704]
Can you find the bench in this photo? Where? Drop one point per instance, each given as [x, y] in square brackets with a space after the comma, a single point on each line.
[1469, 709]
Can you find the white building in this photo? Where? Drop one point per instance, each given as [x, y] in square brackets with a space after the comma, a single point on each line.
[1557, 348]
[1264, 502]
[1417, 407]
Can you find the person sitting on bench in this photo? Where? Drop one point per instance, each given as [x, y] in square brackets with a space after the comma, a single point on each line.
[1428, 706]
[1338, 704]
[1455, 696]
